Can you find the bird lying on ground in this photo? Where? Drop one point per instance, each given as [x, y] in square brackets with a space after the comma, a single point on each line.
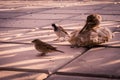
[91, 34]
[60, 32]
[44, 48]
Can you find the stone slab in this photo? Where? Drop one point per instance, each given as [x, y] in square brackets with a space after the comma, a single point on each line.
[24, 56]
[87, 6]
[107, 12]
[9, 6]
[62, 77]
[25, 23]
[15, 75]
[116, 37]
[98, 60]
[111, 17]
[45, 16]
[10, 15]
[72, 22]
[67, 11]
[25, 10]
[113, 6]
[106, 61]
[105, 17]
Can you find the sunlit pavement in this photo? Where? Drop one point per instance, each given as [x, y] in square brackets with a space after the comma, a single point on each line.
[21, 22]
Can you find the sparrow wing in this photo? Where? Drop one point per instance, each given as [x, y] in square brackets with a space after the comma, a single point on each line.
[63, 30]
[48, 46]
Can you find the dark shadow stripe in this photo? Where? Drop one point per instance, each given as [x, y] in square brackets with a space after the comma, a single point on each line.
[63, 65]
[14, 42]
[24, 70]
[69, 61]
[90, 47]
[22, 27]
[106, 46]
[88, 75]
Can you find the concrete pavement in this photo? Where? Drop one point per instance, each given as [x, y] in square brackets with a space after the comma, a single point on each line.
[21, 24]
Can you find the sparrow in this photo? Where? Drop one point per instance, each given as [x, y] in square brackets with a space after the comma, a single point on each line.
[93, 21]
[60, 32]
[91, 34]
[44, 47]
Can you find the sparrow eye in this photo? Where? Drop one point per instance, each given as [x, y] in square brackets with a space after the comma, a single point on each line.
[32, 41]
[53, 24]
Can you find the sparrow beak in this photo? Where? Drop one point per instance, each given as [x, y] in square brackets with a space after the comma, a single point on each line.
[33, 41]
[53, 25]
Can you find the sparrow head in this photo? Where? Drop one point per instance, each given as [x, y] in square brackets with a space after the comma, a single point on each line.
[54, 26]
[94, 19]
[35, 41]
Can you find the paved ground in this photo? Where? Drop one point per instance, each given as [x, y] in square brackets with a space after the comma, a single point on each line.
[20, 23]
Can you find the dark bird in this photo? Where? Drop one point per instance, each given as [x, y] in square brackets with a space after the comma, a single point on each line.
[60, 32]
[44, 48]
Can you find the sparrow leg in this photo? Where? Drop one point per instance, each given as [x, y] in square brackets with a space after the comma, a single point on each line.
[38, 54]
[56, 39]
[77, 46]
[72, 46]
[62, 39]
[66, 38]
[42, 54]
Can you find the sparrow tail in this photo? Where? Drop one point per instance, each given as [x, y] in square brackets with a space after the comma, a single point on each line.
[59, 51]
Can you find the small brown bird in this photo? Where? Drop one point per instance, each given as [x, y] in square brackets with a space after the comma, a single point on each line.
[60, 32]
[91, 34]
[93, 21]
[44, 47]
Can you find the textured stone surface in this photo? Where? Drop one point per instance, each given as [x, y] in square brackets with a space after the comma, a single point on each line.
[23, 22]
